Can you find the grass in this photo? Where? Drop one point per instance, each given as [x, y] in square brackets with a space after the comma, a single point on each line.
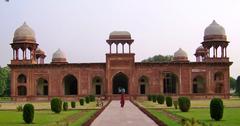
[13, 118]
[83, 118]
[230, 116]
[199, 110]
[47, 118]
[163, 117]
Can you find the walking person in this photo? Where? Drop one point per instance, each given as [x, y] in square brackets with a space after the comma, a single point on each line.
[122, 102]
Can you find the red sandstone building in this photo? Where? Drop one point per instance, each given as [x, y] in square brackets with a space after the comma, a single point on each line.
[32, 79]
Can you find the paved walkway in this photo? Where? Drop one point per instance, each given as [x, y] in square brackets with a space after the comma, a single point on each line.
[130, 115]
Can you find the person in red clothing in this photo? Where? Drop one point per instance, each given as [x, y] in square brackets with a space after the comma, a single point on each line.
[122, 98]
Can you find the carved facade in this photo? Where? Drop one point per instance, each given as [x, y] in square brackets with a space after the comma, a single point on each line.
[32, 79]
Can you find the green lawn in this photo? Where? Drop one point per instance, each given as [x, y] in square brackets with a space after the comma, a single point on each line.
[44, 117]
[163, 118]
[83, 118]
[230, 116]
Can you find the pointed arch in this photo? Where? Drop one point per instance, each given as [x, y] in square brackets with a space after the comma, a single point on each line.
[170, 83]
[22, 79]
[120, 83]
[97, 85]
[42, 87]
[143, 82]
[70, 85]
[199, 84]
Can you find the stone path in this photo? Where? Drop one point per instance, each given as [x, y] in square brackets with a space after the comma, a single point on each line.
[130, 115]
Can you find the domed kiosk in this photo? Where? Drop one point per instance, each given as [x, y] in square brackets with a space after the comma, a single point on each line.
[215, 41]
[24, 43]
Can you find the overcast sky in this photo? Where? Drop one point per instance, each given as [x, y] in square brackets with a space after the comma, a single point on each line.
[80, 27]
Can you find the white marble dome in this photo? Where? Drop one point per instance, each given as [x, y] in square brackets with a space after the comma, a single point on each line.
[120, 35]
[180, 53]
[214, 29]
[24, 32]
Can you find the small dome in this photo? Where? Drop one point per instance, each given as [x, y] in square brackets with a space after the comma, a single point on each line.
[180, 53]
[39, 51]
[214, 29]
[200, 48]
[120, 35]
[24, 32]
[180, 56]
[59, 57]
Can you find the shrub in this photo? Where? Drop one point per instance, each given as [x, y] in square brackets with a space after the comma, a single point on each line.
[216, 109]
[160, 99]
[73, 104]
[81, 101]
[87, 99]
[92, 98]
[65, 106]
[154, 98]
[169, 101]
[149, 97]
[184, 104]
[19, 108]
[56, 105]
[175, 103]
[28, 113]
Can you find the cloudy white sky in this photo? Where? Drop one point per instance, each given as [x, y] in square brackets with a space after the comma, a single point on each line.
[80, 27]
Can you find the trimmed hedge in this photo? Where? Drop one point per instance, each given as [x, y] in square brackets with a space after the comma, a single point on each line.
[73, 104]
[65, 106]
[216, 109]
[56, 105]
[184, 104]
[169, 101]
[81, 101]
[92, 98]
[175, 103]
[87, 99]
[154, 98]
[28, 113]
[160, 99]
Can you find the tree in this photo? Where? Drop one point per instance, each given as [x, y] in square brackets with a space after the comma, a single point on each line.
[158, 58]
[5, 81]
[237, 91]
[233, 83]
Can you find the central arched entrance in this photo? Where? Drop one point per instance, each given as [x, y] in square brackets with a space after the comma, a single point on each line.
[120, 81]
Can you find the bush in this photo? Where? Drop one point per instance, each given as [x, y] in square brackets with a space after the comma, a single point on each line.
[175, 103]
[216, 109]
[19, 108]
[28, 113]
[65, 106]
[149, 97]
[73, 104]
[87, 99]
[184, 104]
[92, 98]
[160, 99]
[154, 98]
[81, 101]
[169, 101]
[56, 105]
